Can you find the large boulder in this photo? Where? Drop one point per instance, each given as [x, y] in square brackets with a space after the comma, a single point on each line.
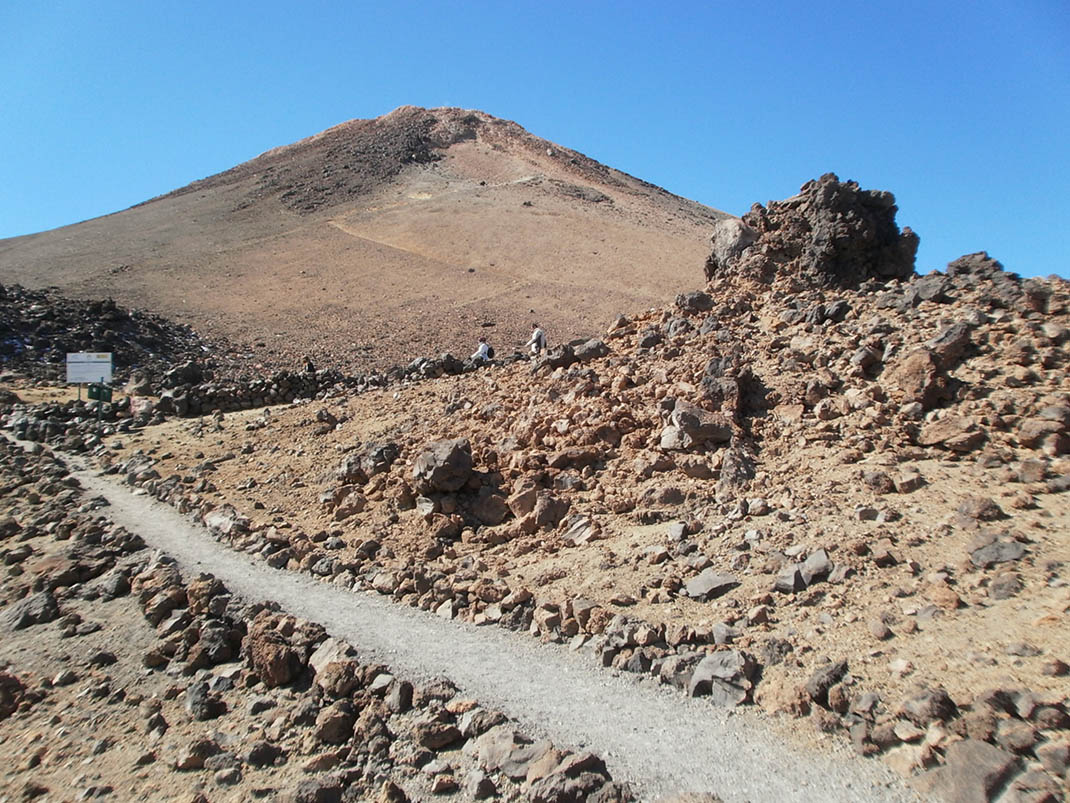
[731, 237]
[271, 656]
[691, 426]
[833, 233]
[443, 466]
[918, 378]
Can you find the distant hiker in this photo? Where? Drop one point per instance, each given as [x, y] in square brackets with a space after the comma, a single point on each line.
[310, 367]
[537, 341]
[485, 352]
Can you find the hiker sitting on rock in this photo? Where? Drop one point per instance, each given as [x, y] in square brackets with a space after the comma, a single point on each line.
[537, 341]
[484, 353]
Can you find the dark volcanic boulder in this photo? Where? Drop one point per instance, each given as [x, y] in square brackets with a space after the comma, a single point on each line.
[443, 466]
[831, 234]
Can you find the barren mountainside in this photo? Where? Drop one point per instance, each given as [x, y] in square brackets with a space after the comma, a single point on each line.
[381, 239]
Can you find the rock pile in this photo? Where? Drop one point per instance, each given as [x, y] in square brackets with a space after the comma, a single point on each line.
[832, 233]
[38, 328]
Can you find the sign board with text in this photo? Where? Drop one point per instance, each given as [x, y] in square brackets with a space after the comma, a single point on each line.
[88, 366]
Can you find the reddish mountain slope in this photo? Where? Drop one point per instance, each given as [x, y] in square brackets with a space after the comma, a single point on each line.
[380, 239]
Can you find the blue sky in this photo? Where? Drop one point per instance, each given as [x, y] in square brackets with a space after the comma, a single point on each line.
[962, 109]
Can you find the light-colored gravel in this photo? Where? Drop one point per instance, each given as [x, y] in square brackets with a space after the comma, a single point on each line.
[650, 736]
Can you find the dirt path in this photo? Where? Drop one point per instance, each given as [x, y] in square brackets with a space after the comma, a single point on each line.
[651, 736]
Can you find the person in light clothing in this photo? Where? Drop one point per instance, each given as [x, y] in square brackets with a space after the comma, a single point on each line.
[537, 341]
[484, 352]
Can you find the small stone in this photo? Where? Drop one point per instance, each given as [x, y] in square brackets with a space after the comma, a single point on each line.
[710, 585]
[907, 731]
[443, 784]
[879, 629]
[227, 777]
[262, 753]
[479, 786]
[981, 508]
[1055, 668]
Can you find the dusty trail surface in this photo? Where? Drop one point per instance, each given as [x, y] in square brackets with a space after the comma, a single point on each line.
[659, 741]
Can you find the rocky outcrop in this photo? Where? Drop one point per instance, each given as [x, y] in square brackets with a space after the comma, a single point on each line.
[832, 233]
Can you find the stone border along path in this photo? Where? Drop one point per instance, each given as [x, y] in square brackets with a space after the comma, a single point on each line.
[648, 735]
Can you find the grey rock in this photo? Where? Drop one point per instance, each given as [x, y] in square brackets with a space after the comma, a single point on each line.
[730, 238]
[725, 634]
[557, 357]
[649, 338]
[202, 704]
[928, 706]
[443, 466]
[479, 786]
[695, 301]
[35, 609]
[999, 551]
[726, 676]
[790, 579]
[710, 585]
[399, 698]
[690, 425]
[590, 350]
[817, 566]
[478, 721]
[263, 753]
[974, 771]
[933, 287]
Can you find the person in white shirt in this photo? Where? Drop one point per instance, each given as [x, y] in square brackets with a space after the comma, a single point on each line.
[537, 341]
[483, 352]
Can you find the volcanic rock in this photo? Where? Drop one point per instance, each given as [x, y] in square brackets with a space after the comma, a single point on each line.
[443, 466]
[831, 233]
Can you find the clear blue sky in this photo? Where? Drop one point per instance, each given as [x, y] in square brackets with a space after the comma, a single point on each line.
[962, 109]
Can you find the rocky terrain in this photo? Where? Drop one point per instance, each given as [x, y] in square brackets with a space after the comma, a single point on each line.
[821, 485]
[379, 240]
[127, 681]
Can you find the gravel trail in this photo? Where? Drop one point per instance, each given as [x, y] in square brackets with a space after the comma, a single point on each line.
[651, 736]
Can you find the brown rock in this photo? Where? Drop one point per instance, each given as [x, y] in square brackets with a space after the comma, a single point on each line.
[523, 501]
[272, 658]
[952, 432]
[435, 735]
[490, 508]
[547, 513]
[943, 597]
[11, 692]
[918, 378]
[199, 593]
[973, 771]
[195, 754]
[1032, 432]
[980, 508]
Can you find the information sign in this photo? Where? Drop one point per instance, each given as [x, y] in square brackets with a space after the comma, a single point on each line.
[88, 366]
[98, 392]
